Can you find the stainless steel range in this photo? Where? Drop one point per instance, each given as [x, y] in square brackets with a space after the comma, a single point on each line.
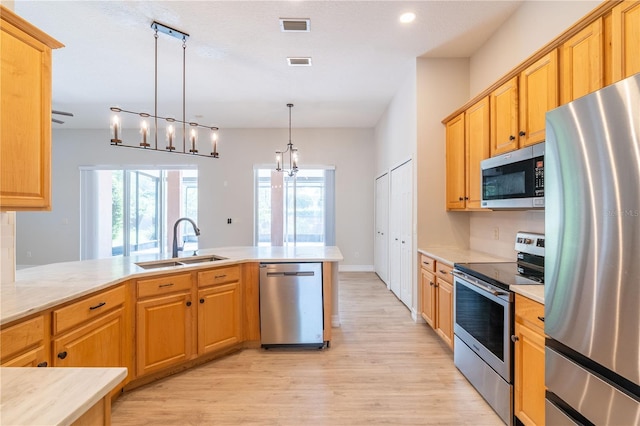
[483, 320]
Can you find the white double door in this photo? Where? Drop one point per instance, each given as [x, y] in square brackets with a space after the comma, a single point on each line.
[400, 232]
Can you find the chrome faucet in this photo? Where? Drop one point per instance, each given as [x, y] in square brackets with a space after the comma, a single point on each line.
[175, 234]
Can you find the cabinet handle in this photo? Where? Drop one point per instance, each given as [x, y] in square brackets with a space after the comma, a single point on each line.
[427, 263]
[514, 338]
[522, 133]
[512, 138]
[62, 355]
[99, 305]
[42, 364]
[443, 272]
[431, 283]
[165, 285]
[189, 303]
[220, 276]
[541, 319]
[202, 300]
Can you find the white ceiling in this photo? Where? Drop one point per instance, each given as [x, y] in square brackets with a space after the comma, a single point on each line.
[237, 73]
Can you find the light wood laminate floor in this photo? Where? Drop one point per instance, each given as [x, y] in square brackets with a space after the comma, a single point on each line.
[382, 368]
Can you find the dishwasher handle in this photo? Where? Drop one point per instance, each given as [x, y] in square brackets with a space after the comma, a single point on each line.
[291, 274]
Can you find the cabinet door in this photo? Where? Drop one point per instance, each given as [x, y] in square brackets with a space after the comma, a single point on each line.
[99, 343]
[444, 322]
[163, 332]
[36, 357]
[504, 117]
[427, 285]
[455, 163]
[529, 376]
[538, 93]
[625, 39]
[219, 319]
[581, 68]
[477, 149]
[25, 134]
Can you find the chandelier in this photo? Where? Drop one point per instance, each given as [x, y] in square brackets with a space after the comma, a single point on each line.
[171, 130]
[293, 153]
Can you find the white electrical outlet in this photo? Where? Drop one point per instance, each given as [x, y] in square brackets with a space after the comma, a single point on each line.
[496, 233]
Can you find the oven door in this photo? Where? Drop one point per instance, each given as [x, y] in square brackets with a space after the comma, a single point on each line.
[483, 316]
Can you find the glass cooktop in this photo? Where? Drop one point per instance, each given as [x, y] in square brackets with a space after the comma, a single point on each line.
[501, 274]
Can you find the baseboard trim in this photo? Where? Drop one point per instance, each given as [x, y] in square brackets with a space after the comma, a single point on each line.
[356, 268]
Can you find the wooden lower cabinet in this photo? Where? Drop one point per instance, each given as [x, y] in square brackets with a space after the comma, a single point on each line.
[219, 317]
[436, 297]
[163, 332]
[25, 344]
[529, 389]
[444, 328]
[99, 343]
[428, 296]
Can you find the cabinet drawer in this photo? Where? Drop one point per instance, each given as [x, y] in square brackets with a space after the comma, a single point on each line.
[164, 285]
[218, 276]
[530, 312]
[91, 307]
[427, 263]
[21, 336]
[444, 272]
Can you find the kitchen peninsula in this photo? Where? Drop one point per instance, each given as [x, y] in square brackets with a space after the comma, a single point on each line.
[114, 313]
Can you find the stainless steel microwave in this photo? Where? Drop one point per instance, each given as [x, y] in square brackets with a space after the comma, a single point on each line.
[514, 180]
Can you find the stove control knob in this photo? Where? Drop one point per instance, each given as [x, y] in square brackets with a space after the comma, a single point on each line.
[528, 241]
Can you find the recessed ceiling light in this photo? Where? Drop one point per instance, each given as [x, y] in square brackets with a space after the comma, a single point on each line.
[408, 17]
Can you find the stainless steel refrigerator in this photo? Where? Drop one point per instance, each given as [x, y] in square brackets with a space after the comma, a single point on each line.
[592, 262]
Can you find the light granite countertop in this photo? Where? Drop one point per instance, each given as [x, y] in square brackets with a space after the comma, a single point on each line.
[42, 287]
[53, 396]
[450, 256]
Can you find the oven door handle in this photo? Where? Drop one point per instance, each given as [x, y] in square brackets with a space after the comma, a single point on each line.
[480, 284]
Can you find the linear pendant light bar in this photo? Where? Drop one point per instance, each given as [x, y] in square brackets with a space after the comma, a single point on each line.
[116, 141]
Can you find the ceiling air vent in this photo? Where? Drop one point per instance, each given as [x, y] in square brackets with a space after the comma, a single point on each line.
[299, 62]
[288, 25]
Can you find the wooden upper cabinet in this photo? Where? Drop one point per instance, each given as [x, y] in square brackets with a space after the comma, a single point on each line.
[25, 115]
[625, 40]
[455, 163]
[477, 149]
[504, 117]
[582, 63]
[538, 91]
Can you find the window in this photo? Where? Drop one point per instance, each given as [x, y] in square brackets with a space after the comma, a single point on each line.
[298, 210]
[129, 211]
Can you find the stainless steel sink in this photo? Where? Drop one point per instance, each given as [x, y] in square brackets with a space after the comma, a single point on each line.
[179, 261]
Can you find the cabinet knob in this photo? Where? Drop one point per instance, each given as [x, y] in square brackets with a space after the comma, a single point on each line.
[466, 198]
[202, 300]
[189, 303]
[460, 199]
[62, 355]
[514, 338]
[512, 138]
[522, 133]
[42, 364]
[431, 283]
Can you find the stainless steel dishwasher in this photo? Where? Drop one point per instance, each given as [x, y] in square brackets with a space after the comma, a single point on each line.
[291, 310]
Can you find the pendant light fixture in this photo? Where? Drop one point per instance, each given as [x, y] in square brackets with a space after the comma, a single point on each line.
[190, 148]
[293, 153]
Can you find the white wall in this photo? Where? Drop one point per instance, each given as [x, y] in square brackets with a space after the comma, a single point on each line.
[533, 25]
[225, 187]
[442, 87]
